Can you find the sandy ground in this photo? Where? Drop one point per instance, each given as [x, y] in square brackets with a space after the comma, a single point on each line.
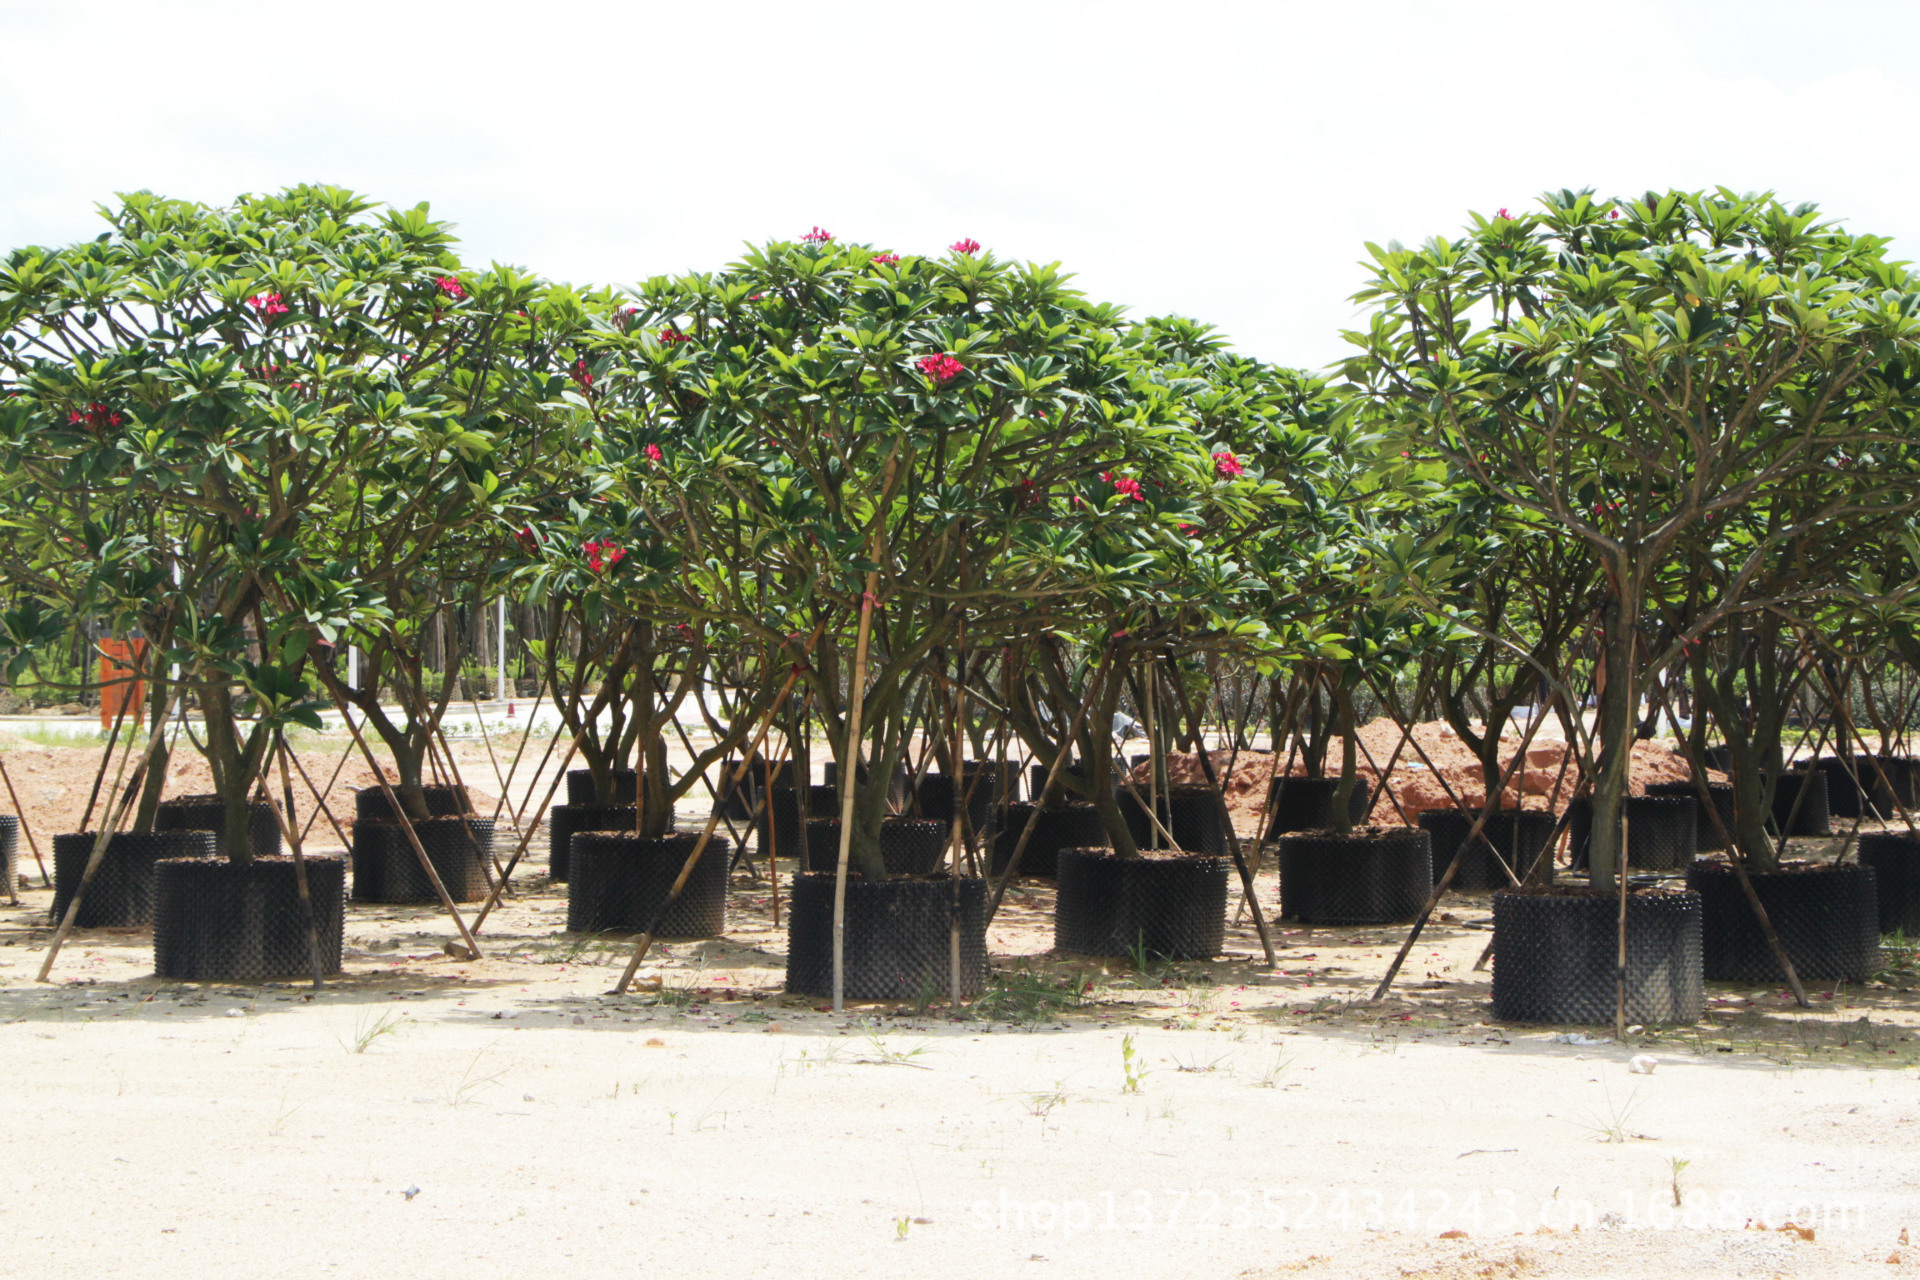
[426, 1117]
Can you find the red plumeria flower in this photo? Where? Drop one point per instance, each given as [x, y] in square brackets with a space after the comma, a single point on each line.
[96, 418]
[451, 287]
[755, 297]
[670, 335]
[1107, 476]
[615, 555]
[1191, 530]
[1127, 487]
[1226, 466]
[966, 245]
[941, 368]
[1029, 496]
[653, 452]
[886, 259]
[267, 305]
[580, 374]
[1613, 213]
[526, 537]
[817, 236]
[1501, 213]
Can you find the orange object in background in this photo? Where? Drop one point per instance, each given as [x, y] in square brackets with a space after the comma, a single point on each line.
[121, 682]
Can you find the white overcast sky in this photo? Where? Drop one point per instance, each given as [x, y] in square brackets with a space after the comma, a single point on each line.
[1223, 160]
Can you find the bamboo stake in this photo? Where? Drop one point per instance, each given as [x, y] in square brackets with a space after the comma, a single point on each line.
[850, 784]
[1453, 867]
[700, 846]
[106, 758]
[1620, 935]
[526, 837]
[46, 881]
[292, 837]
[321, 801]
[413, 838]
[1053, 776]
[118, 814]
[1226, 817]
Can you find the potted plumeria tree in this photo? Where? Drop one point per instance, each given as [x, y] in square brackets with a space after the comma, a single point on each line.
[252, 362]
[1632, 375]
[896, 439]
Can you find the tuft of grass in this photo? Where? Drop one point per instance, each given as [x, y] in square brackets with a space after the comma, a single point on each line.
[1026, 998]
[367, 1029]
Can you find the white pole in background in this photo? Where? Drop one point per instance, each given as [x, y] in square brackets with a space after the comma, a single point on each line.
[353, 666]
[500, 652]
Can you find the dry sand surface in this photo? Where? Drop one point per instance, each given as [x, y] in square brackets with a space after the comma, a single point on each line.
[425, 1117]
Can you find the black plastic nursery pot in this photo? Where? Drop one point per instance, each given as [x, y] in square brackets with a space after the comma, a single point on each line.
[779, 825]
[220, 921]
[1170, 903]
[620, 883]
[565, 819]
[1803, 798]
[898, 937]
[1895, 859]
[909, 846]
[1706, 836]
[1376, 875]
[626, 787]
[759, 776]
[370, 803]
[121, 894]
[1845, 796]
[935, 794]
[896, 782]
[209, 813]
[1662, 831]
[10, 848]
[1826, 915]
[1192, 816]
[1037, 783]
[1555, 955]
[1892, 783]
[386, 869]
[1067, 826]
[1515, 836]
[1306, 804]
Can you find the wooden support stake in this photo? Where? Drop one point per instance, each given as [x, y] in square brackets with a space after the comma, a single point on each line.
[46, 881]
[117, 815]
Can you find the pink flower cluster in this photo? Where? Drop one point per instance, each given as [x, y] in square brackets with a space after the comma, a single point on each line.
[653, 453]
[1226, 466]
[602, 556]
[941, 368]
[580, 374]
[451, 287]
[1126, 486]
[965, 245]
[96, 417]
[267, 304]
[886, 259]
[1502, 213]
[817, 236]
[526, 538]
[671, 335]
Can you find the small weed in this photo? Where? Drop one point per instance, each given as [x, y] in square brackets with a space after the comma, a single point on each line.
[1041, 1103]
[1130, 1065]
[1026, 998]
[1679, 1167]
[1270, 1078]
[880, 1055]
[286, 1113]
[1149, 964]
[1195, 1066]
[367, 1029]
[1611, 1124]
[900, 1226]
[471, 1082]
